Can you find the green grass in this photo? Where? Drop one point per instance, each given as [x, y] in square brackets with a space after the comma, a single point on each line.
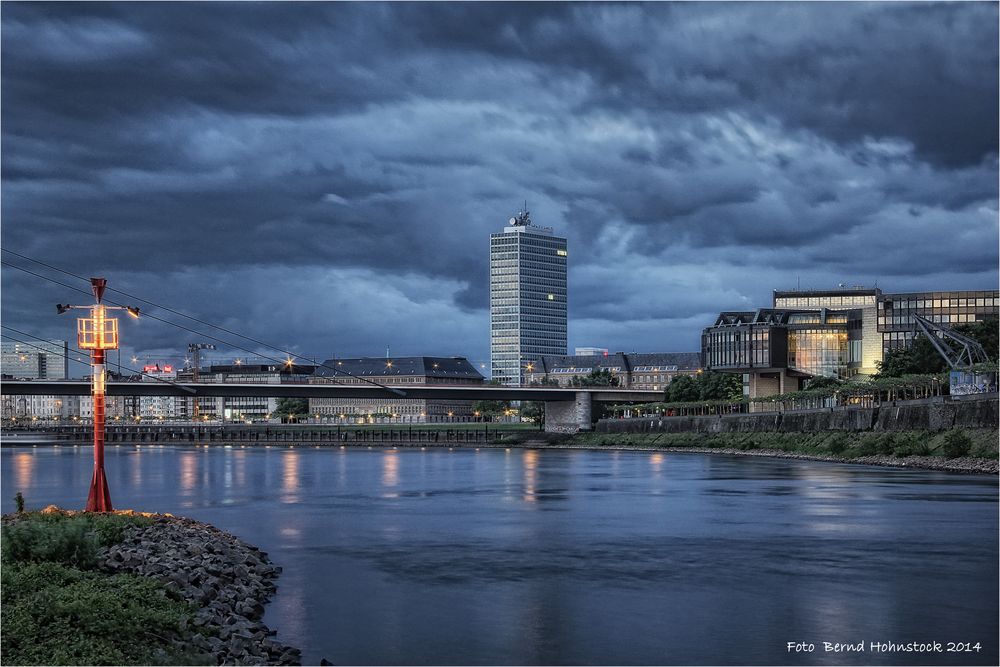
[978, 443]
[59, 608]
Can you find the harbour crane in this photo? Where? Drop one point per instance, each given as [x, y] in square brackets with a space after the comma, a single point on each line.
[194, 353]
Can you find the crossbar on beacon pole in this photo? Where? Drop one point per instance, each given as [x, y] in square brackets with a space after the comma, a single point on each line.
[98, 333]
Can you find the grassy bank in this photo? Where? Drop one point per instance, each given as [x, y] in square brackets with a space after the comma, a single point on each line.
[60, 608]
[975, 443]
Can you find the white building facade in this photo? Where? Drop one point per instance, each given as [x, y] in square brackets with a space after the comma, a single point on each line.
[160, 407]
[527, 298]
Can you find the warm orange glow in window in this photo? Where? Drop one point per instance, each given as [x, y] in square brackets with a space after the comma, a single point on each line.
[97, 332]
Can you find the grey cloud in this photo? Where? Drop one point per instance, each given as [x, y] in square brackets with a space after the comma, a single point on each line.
[235, 139]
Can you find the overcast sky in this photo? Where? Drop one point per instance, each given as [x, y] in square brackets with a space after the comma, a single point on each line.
[326, 176]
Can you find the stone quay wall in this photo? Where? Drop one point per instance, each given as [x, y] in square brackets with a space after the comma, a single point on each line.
[937, 414]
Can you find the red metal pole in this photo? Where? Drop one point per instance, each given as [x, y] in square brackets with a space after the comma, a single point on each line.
[99, 499]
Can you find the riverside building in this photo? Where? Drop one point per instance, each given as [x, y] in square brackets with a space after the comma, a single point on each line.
[828, 333]
[398, 371]
[48, 360]
[242, 408]
[40, 360]
[631, 371]
[527, 297]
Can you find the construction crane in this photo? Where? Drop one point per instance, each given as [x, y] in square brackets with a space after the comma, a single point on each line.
[194, 353]
[961, 352]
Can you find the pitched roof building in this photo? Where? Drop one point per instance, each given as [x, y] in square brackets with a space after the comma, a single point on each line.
[411, 371]
[653, 370]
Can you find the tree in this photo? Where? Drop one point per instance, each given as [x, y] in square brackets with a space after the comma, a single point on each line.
[532, 410]
[719, 386]
[289, 407]
[822, 382]
[920, 358]
[704, 387]
[681, 389]
[490, 409]
[600, 377]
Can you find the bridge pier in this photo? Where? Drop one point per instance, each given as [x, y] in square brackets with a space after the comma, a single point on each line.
[569, 416]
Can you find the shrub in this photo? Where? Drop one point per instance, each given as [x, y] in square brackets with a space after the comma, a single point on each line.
[837, 445]
[956, 443]
[985, 448]
[110, 528]
[19, 501]
[70, 539]
[866, 448]
[886, 445]
[69, 543]
[911, 445]
[54, 615]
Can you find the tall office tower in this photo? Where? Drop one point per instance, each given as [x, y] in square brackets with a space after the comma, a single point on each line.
[527, 297]
[39, 360]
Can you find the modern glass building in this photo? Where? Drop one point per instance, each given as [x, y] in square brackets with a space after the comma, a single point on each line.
[527, 297]
[948, 308]
[41, 360]
[830, 333]
[777, 349]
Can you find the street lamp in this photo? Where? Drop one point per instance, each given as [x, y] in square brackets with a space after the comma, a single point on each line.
[98, 333]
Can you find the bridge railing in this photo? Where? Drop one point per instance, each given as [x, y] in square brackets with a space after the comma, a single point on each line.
[276, 434]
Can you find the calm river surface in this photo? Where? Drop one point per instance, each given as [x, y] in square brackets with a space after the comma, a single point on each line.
[576, 557]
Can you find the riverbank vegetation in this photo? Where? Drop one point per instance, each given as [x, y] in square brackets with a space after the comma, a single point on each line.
[863, 391]
[975, 443]
[60, 608]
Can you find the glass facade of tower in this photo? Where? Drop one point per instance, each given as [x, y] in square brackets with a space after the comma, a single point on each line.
[527, 298]
[40, 360]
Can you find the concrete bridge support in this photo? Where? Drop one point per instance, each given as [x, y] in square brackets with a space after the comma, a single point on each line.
[569, 416]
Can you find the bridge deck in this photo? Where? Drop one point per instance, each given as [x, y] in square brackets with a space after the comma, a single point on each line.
[446, 392]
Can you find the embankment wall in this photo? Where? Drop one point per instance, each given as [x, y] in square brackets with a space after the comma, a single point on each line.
[938, 415]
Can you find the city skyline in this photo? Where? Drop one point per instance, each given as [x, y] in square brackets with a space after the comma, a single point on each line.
[695, 156]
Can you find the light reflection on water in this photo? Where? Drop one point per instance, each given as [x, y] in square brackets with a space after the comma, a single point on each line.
[530, 461]
[24, 468]
[290, 476]
[390, 472]
[541, 557]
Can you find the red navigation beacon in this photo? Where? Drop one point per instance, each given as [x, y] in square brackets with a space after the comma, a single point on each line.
[98, 333]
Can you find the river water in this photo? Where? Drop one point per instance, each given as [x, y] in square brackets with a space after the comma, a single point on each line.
[577, 557]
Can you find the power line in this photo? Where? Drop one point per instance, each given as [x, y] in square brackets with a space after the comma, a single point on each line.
[83, 360]
[181, 326]
[158, 305]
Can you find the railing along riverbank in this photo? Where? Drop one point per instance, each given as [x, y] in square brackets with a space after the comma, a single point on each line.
[197, 434]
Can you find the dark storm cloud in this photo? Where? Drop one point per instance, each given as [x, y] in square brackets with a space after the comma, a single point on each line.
[319, 173]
